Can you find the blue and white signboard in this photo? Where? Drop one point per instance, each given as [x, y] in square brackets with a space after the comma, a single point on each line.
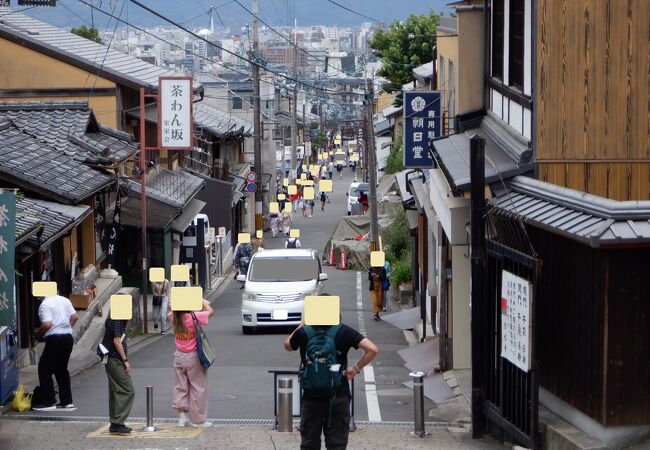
[422, 122]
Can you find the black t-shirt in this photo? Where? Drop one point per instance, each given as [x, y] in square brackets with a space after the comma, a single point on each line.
[345, 339]
[114, 328]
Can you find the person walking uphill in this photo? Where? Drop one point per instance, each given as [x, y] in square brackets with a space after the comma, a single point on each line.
[376, 276]
[329, 416]
[191, 389]
[57, 319]
[118, 371]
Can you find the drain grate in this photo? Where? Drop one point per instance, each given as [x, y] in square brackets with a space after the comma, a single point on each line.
[264, 422]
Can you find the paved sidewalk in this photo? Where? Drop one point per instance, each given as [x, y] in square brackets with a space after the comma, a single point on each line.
[19, 435]
[84, 357]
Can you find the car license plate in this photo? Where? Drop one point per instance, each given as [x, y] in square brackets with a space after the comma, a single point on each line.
[280, 314]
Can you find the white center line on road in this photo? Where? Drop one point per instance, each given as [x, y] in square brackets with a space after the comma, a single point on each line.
[374, 415]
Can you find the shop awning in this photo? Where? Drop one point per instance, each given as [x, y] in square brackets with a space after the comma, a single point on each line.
[189, 212]
[422, 199]
[56, 219]
[506, 155]
[168, 195]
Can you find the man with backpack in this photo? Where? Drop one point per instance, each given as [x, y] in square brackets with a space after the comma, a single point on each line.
[292, 242]
[325, 377]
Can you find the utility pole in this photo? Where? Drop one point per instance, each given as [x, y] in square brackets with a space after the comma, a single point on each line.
[372, 167]
[294, 116]
[257, 129]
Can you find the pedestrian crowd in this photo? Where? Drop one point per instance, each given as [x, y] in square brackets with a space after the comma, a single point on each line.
[325, 401]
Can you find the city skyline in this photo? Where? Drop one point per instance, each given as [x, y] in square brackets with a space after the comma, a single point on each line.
[195, 14]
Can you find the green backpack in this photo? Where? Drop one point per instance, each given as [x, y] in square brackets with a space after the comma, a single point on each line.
[316, 377]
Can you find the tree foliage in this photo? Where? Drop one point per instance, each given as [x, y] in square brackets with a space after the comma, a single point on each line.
[395, 161]
[404, 46]
[88, 33]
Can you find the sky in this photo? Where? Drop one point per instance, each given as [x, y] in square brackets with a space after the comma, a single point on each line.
[193, 13]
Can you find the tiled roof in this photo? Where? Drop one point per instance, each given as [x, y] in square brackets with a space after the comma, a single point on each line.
[71, 128]
[174, 188]
[424, 71]
[81, 52]
[594, 221]
[168, 193]
[28, 163]
[448, 24]
[53, 218]
[219, 122]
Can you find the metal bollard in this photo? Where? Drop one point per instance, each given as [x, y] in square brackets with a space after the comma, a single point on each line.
[149, 426]
[219, 262]
[418, 403]
[285, 405]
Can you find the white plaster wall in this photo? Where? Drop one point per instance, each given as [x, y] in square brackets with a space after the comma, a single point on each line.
[528, 120]
[528, 35]
[516, 117]
[506, 41]
[462, 348]
[497, 103]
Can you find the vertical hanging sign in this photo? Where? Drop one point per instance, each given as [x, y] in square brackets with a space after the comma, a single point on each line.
[516, 308]
[7, 257]
[175, 113]
[422, 122]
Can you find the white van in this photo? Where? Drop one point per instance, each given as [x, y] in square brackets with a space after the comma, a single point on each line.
[356, 188]
[276, 285]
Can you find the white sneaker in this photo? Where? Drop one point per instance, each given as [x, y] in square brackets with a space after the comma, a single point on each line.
[43, 407]
[205, 424]
[68, 407]
[183, 420]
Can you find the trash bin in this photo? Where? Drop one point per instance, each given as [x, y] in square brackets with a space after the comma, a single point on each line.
[8, 367]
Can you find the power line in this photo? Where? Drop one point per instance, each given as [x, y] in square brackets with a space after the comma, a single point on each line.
[355, 12]
[243, 58]
[175, 45]
[107, 48]
[214, 8]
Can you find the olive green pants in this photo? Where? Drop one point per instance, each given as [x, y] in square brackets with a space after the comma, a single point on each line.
[120, 391]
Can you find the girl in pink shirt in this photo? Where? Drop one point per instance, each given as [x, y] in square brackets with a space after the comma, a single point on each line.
[191, 389]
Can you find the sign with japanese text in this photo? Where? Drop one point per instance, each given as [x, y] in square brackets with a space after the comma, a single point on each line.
[7, 257]
[175, 113]
[516, 307]
[422, 122]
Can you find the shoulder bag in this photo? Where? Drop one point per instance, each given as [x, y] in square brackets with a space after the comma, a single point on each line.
[203, 346]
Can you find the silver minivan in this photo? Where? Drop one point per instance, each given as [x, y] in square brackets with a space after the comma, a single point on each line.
[276, 285]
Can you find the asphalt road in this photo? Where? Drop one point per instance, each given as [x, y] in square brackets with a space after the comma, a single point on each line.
[240, 385]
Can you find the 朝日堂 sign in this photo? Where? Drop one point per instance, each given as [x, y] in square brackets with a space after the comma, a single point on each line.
[422, 122]
[7, 257]
[175, 115]
[516, 307]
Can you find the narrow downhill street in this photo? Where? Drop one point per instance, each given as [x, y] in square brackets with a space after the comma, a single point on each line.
[241, 387]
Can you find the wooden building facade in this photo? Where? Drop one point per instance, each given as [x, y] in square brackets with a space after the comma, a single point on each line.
[592, 96]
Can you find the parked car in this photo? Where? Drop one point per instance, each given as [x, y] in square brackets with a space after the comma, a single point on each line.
[276, 285]
[356, 188]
